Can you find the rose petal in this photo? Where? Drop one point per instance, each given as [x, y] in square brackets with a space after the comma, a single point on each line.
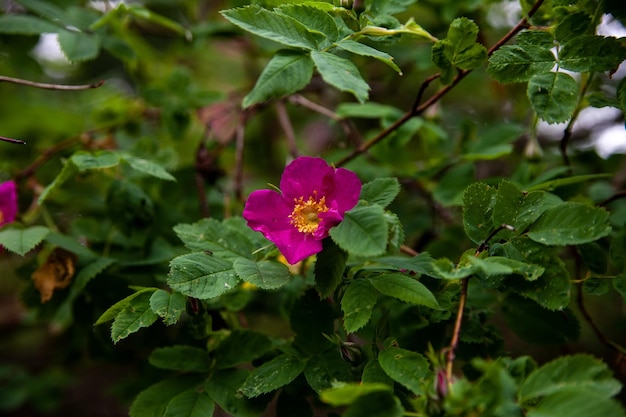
[346, 191]
[266, 211]
[8, 201]
[296, 246]
[330, 219]
[303, 176]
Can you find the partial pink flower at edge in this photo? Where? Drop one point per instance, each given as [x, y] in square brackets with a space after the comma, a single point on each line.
[8, 202]
[314, 197]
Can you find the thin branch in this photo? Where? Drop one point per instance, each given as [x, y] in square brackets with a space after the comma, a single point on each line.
[457, 330]
[592, 324]
[239, 148]
[45, 156]
[567, 133]
[305, 102]
[484, 244]
[408, 250]
[614, 197]
[4, 78]
[418, 109]
[285, 123]
[16, 141]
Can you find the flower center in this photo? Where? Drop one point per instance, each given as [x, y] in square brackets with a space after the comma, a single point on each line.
[305, 214]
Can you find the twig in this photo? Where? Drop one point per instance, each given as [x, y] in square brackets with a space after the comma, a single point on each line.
[408, 250]
[239, 148]
[4, 78]
[418, 109]
[17, 141]
[567, 133]
[484, 244]
[45, 156]
[592, 324]
[285, 123]
[305, 102]
[457, 330]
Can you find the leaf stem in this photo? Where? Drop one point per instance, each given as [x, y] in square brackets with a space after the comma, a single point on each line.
[45, 86]
[285, 123]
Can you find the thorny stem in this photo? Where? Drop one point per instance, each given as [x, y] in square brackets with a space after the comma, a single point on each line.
[418, 109]
[45, 86]
[285, 123]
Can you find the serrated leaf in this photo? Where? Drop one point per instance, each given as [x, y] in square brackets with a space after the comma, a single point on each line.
[223, 387]
[535, 37]
[341, 74]
[364, 50]
[313, 18]
[241, 346]
[571, 26]
[421, 264]
[329, 268]
[286, 73]
[404, 288]
[579, 372]
[272, 25]
[116, 308]
[345, 394]
[478, 202]
[362, 232]
[553, 96]
[570, 224]
[148, 167]
[387, 7]
[498, 265]
[168, 306]
[215, 237]
[535, 324]
[135, 315]
[267, 275]
[153, 401]
[192, 403]
[22, 241]
[376, 404]
[576, 404]
[516, 63]
[78, 46]
[26, 25]
[327, 369]
[357, 305]
[589, 53]
[180, 358]
[381, 191]
[405, 367]
[272, 375]
[95, 160]
[201, 276]
[46, 10]
[459, 49]
[445, 269]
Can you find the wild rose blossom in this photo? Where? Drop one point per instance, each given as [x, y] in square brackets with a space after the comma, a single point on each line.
[8, 202]
[314, 198]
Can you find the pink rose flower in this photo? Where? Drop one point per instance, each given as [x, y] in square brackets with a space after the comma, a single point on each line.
[8, 202]
[314, 198]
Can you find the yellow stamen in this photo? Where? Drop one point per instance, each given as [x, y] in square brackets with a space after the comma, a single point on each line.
[1, 217]
[305, 214]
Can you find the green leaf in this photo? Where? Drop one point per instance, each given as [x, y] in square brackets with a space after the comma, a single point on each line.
[387, 7]
[329, 268]
[369, 110]
[22, 241]
[363, 231]
[311, 319]
[267, 275]
[79, 46]
[326, 370]
[591, 53]
[478, 202]
[570, 224]
[404, 288]
[180, 358]
[421, 264]
[135, 315]
[517, 63]
[152, 17]
[68, 171]
[272, 375]
[381, 191]
[201, 276]
[581, 373]
[147, 167]
[116, 308]
[286, 73]
[215, 237]
[494, 142]
[341, 74]
[621, 94]
[314, 19]
[153, 401]
[241, 346]
[497, 265]
[344, 394]
[516, 208]
[572, 26]
[47, 10]
[357, 305]
[405, 367]
[272, 25]
[364, 50]
[538, 325]
[26, 25]
[576, 404]
[168, 306]
[223, 387]
[596, 286]
[95, 160]
[553, 96]
[541, 38]
[190, 403]
[561, 182]
[376, 404]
